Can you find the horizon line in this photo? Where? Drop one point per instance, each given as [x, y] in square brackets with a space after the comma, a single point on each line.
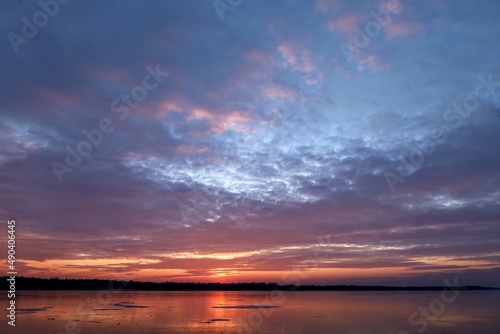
[292, 287]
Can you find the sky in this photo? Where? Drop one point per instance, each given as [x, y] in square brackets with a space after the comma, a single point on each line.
[296, 142]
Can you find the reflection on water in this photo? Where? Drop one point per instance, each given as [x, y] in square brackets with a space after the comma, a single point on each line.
[250, 312]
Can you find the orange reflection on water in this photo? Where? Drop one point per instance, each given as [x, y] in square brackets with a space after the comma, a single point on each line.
[135, 312]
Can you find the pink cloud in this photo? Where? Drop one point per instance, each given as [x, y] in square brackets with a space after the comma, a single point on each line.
[257, 65]
[256, 56]
[327, 5]
[190, 149]
[221, 122]
[287, 53]
[159, 109]
[108, 73]
[394, 6]
[54, 101]
[299, 59]
[371, 61]
[307, 64]
[402, 29]
[345, 24]
[274, 91]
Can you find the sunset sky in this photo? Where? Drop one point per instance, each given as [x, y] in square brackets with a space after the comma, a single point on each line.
[312, 142]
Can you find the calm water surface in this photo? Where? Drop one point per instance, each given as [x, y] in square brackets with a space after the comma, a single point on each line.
[299, 312]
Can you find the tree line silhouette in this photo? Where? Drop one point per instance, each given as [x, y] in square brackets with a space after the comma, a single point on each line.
[32, 283]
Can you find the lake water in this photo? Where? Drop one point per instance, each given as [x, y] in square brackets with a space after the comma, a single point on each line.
[238, 312]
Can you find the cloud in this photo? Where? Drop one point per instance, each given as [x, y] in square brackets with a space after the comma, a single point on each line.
[262, 141]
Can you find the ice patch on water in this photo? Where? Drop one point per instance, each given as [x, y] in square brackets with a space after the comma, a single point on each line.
[246, 306]
[129, 305]
[32, 310]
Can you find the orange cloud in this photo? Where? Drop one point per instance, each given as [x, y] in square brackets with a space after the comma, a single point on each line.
[236, 120]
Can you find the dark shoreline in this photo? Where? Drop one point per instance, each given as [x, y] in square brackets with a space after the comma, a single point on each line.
[31, 283]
